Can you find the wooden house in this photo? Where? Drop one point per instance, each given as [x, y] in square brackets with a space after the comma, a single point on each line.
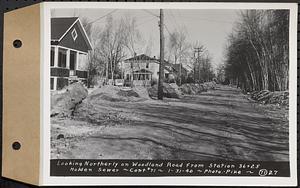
[69, 52]
[143, 68]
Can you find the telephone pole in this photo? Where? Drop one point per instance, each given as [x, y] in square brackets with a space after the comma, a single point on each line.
[161, 65]
[198, 50]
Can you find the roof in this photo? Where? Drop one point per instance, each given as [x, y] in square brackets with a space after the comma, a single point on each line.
[141, 57]
[59, 26]
[177, 67]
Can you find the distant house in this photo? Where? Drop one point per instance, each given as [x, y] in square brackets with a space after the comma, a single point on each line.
[143, 67]
[179, 69]
[69, 49]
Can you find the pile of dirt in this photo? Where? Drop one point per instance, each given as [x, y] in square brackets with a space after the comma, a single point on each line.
[142, 92]
[190, 89]
[269, 97]
[99, 107]
[63, 102]
[114, 94]
[169, 91]
[210, 85]
[194, 89]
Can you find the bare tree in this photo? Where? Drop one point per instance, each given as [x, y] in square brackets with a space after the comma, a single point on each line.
[257, 53]
[177, 45]
[112, 45]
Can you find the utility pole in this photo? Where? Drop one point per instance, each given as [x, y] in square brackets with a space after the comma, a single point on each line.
[162, 59]
[198, 50]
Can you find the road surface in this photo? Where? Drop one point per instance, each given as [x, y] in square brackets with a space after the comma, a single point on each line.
[220, 124]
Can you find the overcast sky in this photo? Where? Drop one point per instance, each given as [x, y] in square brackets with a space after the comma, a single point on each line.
[209, 27]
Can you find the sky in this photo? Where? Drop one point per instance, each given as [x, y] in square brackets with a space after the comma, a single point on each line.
[210, 27]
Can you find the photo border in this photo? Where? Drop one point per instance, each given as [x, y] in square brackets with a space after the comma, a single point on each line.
[46, 179]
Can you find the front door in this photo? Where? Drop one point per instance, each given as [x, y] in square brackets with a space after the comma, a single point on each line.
[72, 63]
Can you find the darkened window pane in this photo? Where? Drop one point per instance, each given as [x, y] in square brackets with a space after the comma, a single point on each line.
[51, 83]
[62, 58]
[72, 60]
[61, 83]
[52, 57]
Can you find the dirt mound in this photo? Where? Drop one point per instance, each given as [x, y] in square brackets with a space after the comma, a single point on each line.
[194, 89]
[114, 94]
[64, 102]
[169, 91]
[269, 97]
[98, 109]
[142, 92]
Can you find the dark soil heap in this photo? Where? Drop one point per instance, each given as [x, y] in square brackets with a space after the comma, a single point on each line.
[269, 97]
[63, 102]
[194, 89]
[169, 91]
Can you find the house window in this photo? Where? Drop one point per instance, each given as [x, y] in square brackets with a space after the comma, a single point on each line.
[61, 83]
[166, 75]
[52, 55]
[51, 83]
[62, 58]
[73, 55]
[74, 34]
[147, 65]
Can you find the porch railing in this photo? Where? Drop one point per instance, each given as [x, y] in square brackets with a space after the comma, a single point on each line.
[145, 83]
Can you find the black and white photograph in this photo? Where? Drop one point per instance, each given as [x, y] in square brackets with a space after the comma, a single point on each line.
[170, 84]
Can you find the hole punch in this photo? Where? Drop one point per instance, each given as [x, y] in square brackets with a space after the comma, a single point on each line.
[16, 145]
[17, 43]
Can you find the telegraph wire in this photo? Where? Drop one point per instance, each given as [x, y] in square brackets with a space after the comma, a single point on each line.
[103, 16]
[151, 13]
[145, 22]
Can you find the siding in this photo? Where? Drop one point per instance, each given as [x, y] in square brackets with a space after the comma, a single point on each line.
[78, 44]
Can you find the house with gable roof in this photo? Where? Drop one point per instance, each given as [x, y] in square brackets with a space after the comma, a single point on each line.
[70, 46]
[142, 68]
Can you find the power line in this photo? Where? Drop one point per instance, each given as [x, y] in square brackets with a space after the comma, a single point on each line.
[103, 16]
[151, 13]
[167, 30]
[173, 23]
[173, 16]
[209, 20]
[145, 22]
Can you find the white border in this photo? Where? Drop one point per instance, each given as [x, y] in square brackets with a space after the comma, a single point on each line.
[203, 180]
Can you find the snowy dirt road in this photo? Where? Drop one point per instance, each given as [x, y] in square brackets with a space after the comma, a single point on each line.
[220, 124]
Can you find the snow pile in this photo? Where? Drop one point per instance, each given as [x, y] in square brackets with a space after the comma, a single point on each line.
[63, 102]
[269, 97]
